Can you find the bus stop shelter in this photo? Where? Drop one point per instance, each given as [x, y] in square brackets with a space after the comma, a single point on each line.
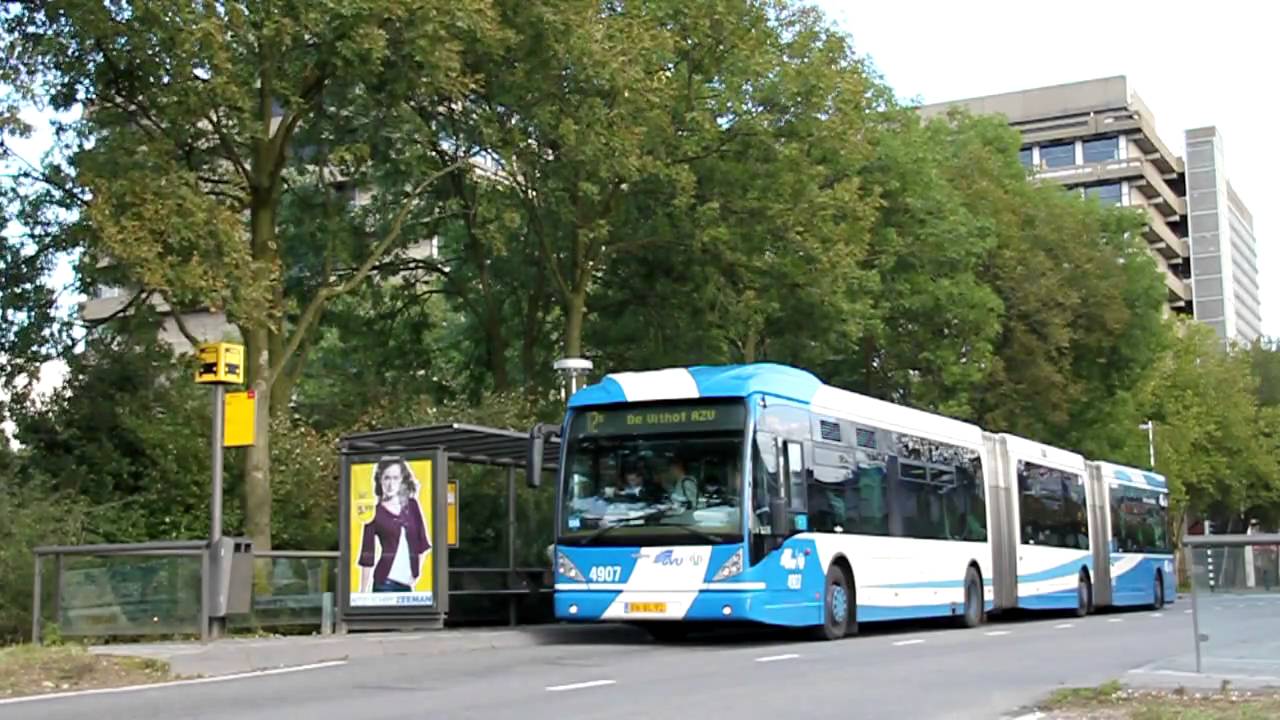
[394, 551]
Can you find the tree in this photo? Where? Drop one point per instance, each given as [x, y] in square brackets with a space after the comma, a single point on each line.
[128, 434]
[720, 266]
[1265, 359]
[1083, 301]
[934, 317]
[202, 121]
[1212, 442]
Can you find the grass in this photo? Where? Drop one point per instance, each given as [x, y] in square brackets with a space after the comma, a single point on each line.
[32, 670]
[1112, 701]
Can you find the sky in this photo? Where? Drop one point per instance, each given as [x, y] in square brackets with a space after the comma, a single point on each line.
[1193, 64]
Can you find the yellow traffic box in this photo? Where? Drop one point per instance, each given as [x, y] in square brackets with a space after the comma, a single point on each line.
[221, 363]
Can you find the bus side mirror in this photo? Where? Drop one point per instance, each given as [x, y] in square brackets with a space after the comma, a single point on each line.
[537, 447]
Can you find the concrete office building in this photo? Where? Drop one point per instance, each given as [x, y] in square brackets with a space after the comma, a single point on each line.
[1224, 253]
[1098, 136]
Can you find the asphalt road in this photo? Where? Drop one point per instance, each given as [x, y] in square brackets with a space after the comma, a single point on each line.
[915, 672]
[1241, 634]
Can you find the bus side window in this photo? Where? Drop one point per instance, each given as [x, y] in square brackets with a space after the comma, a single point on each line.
[764, 477]
[796, 475]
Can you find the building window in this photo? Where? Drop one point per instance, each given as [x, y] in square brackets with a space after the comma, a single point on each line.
[1055, 156]
[1024, 156]
[1106, 194]
[1104, 150]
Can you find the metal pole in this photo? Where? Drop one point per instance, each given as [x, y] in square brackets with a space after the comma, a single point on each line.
[57, 588]
[35, 604]
[205, 587]
[1195, 608]
[215, 502]
[1151, 442]
[512, 519]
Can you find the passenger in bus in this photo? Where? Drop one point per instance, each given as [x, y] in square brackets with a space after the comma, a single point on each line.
[680, 485]
[638, 485]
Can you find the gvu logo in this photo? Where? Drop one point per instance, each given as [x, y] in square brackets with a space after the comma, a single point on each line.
[668, 557]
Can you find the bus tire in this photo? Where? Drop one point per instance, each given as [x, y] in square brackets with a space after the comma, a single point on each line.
[1084, 596]
[974, 612]
[1157, 592]
[837, 606]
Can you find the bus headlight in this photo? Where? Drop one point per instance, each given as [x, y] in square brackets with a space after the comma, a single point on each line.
[731, 567]
[565, 566]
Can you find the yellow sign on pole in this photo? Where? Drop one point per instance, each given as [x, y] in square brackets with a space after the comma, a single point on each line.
[451, 526]
[221, 363]
[238, 421]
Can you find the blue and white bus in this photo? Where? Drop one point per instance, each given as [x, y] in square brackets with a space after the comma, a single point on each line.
[758, 493]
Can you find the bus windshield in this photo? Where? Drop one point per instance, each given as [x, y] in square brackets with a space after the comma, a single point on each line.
[630, 481]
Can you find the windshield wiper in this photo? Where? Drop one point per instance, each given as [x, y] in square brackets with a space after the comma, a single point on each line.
[598, 532]
[713, 539]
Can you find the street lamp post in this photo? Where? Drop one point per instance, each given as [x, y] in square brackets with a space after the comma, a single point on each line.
[573, 371]
[1150, 427]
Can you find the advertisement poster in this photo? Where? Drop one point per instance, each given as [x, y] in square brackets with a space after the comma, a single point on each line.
[390, 525]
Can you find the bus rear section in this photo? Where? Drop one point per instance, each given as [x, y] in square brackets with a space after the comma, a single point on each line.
[1132, 537]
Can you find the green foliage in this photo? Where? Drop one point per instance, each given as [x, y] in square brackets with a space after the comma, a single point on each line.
[1215, 443]
[128, 432]
[657, 184]
[34, 514]
[215, 132]
[304, 487]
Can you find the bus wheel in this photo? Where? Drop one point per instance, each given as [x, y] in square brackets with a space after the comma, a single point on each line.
[837, 606]
[973, 610]
[1084, 596]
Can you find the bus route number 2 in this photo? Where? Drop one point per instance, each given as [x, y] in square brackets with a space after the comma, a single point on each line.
[605, 573]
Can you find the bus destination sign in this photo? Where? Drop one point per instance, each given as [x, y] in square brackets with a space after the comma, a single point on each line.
[664, 419]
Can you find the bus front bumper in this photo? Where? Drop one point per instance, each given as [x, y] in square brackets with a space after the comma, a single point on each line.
[700, 606]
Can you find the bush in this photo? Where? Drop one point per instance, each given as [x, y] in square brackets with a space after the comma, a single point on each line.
[33, 515]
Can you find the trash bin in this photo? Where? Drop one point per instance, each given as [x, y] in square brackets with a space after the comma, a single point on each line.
[231, 570]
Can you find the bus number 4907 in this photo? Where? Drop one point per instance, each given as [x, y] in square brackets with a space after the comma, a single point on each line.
[605, 573]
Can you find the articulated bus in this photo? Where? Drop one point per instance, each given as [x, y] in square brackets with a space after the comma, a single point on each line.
[757, 493]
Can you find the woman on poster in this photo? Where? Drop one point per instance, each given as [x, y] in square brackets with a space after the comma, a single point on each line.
[399, 529]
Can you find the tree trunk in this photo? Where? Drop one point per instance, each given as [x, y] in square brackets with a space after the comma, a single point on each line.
[257, 467]
[258, 346]
[533, 325]
[495, 344]
[575, 310]
[749, 349]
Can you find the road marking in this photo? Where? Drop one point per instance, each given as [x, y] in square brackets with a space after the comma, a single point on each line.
[1157, 614]
[998, 633]
[908, 642]
[174, 683]
[580, 686]
[1063, 626]
[1186, 612]
[775, 658]
[1115, 619]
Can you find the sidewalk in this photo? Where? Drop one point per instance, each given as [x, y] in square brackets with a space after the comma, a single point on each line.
[223, 657]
